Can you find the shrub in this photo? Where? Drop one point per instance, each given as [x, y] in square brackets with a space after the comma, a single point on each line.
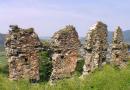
[45, 66]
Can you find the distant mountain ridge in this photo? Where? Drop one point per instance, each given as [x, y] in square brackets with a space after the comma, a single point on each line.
[2, 39]
[126, 34]
[44, 37]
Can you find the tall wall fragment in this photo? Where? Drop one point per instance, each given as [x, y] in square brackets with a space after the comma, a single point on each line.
[22, 47]
[95, 47]
[65, 45]
[119, 49]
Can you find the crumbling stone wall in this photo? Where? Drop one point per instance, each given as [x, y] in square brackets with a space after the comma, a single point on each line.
[22, 47]
[65, 45]
[119, 49]
[95, 47]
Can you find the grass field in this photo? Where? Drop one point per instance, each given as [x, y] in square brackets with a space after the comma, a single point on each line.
[108, 78]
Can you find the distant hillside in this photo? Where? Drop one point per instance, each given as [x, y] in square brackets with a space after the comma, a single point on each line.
[126, 37]
[125, 33]
[45, 37]
[2, 39]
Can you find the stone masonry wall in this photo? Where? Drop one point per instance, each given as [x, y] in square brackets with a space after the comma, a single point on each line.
[65, 45]
[22, 47]
[119, 49]
[95, 47]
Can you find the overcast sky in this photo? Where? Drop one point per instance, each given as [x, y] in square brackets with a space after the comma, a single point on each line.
[48, 16]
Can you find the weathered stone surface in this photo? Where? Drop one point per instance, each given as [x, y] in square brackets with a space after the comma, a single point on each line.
[22, 47]
[95, 47]
[65, 45]
[119, 49]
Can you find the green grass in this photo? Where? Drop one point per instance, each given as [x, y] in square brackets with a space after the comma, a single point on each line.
[109, 78]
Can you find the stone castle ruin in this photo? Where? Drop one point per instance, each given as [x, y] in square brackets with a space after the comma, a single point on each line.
[119, 49]
[95, 47]
[22, 47]
[65, 45]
